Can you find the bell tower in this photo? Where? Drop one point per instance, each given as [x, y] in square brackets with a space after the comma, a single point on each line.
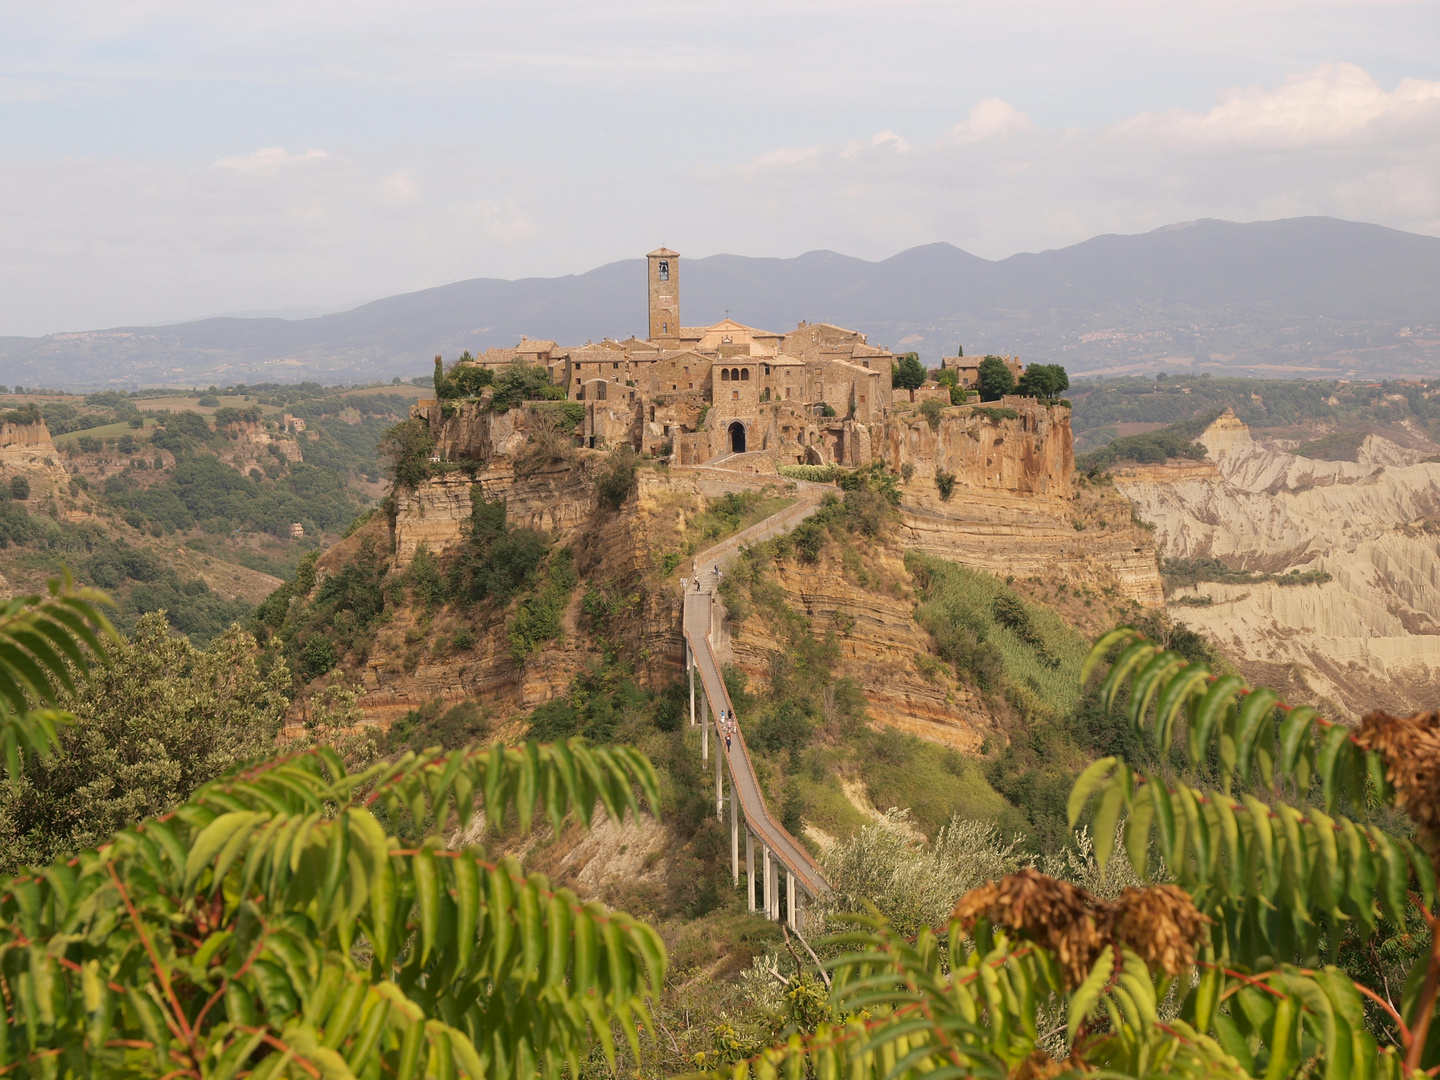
[663, 266]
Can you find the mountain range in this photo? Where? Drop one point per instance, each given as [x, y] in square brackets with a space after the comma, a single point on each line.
[1302, 296]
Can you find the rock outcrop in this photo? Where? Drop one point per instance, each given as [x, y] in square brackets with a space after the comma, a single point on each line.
[1369, 636]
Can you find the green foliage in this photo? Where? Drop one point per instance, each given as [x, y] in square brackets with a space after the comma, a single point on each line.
[468, 379]
[44, 642]
[1275, 822]
[991, 635]
[161, 718]
[19, 488]
[522, 382]
[819, 474]
[208, 401]
[616, 477]
[994, 413]
[1151, 447]
[827, 410]
[225, 935]
[29, 413]
[912, 883]
[495, 561]
[1179, 573]
[932, 410]
[432, 724]
[944, 483]
[144, 584]
[536, 619]
[1338, 446]
[406, 450]
[1043, 381]
[959, 395]
[994, 379]
[908, 373]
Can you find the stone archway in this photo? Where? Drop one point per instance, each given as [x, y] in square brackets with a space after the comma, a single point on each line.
[737, 437]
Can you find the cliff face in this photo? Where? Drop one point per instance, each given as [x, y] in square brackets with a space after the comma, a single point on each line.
[24, 444]
[1032, 454]
[1371, 635]
[251, 445]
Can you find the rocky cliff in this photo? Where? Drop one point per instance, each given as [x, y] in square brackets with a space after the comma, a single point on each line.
[1371, 634]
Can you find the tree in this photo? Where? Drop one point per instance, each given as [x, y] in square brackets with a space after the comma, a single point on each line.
[994, 379]
[159, 720]
[1043, 381]
[909, 374]
[443, 387]
[296, 919]
[19, 488]
[406, 450]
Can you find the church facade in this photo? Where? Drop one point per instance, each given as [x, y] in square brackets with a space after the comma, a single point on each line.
[702, 395]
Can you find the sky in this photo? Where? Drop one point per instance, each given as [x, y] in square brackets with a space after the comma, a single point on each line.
[163, 161]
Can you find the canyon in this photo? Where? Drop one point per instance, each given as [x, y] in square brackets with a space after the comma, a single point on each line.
[1367, 636]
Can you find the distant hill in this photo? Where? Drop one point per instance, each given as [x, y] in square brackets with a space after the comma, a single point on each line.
[1302, 296]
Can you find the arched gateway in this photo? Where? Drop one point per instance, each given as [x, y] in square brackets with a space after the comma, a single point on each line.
[737, 437]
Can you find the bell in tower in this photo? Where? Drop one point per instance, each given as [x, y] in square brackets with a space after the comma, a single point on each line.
[664, 295]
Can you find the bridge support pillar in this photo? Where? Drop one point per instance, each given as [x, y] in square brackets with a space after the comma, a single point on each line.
[772, 887]
[690, 664]
[719, 791]
[749, 869]
[734, 832]
[704, 725]
[790, 898]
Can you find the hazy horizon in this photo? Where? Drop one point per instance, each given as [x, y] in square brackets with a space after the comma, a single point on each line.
[161, 161]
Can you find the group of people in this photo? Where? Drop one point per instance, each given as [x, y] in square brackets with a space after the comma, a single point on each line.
[725, 724]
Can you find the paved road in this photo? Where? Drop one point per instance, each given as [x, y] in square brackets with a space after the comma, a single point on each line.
[698, 614]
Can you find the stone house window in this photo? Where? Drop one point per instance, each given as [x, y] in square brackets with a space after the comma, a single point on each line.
[745, 374]
[734, 395]
[787, 391]
[862, 399]
[725, 374]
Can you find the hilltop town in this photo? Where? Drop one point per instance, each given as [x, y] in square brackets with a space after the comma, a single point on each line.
[705, 395]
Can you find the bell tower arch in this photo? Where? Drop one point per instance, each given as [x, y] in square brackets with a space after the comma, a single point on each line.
[663, 267]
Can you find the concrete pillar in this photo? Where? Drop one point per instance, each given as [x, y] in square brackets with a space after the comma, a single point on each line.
[734, 832]
[719, 759]
[704, 725]
[797, 908]
[690, 664]
[749, 869]
[790, 891]
[770, 883]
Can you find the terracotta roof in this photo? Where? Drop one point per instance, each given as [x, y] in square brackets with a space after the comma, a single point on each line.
[663, 253]
[783, 360]
[529, 346]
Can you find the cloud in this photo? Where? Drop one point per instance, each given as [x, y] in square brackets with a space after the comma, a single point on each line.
[1330, 105]
[268, 159]
[991, 118]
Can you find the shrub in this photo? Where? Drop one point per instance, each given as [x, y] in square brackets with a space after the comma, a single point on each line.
[208, 401]
[19, 488]
[617, 476]
[944, 483]
[819, 474]
[317, 656]
[932, 411]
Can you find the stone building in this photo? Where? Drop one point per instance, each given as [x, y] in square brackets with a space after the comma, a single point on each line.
[968, 368]
[697, 394]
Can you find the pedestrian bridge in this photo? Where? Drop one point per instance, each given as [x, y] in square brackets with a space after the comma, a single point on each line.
[780, 855]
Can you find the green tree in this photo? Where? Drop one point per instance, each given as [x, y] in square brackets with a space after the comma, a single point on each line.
[406, 450]
[1043, 381]
[994, 379]
[469, 379]
[19, 488]
[909, 374]
[297, 919]
[443, 387]
[159, 720]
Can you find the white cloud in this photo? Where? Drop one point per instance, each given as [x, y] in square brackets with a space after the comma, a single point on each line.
[1332, 104]
[991, 118]
[268, 159]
